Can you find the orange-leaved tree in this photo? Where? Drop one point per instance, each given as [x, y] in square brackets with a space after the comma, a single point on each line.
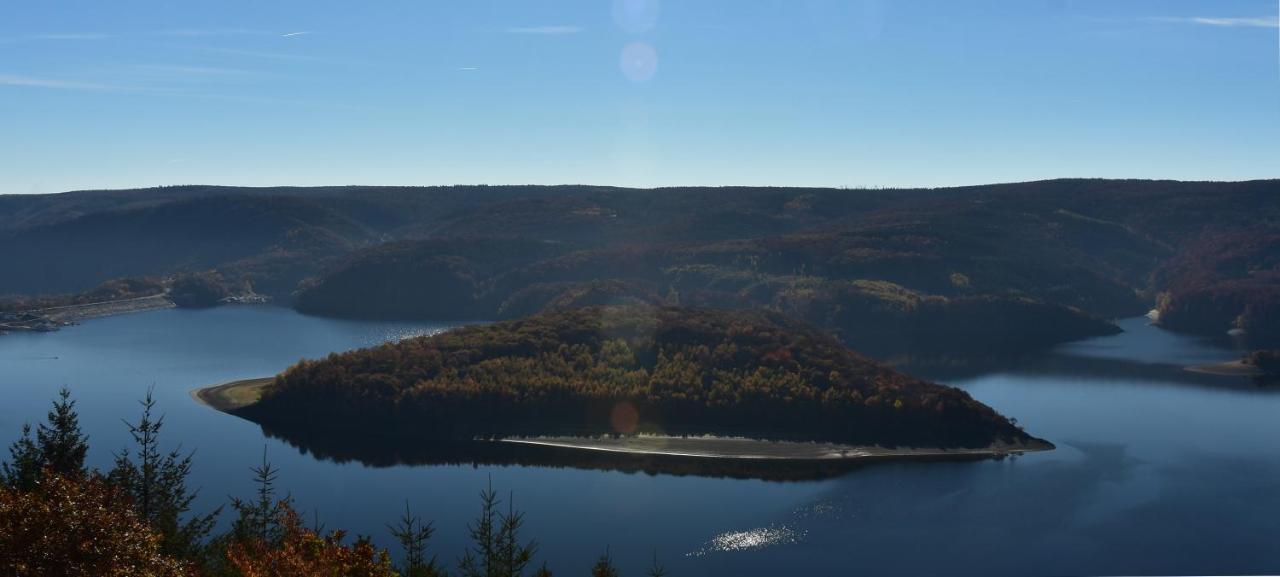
[78, 528]
[302, 551]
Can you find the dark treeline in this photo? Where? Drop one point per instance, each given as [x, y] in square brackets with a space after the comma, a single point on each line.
[58, 517]
[1051, 257]
[621, 370]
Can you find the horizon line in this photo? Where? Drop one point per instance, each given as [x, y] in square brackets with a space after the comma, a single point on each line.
[664, 187]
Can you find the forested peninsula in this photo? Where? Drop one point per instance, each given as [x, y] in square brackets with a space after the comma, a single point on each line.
[630, 369]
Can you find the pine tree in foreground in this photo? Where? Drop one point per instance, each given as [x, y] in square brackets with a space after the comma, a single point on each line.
[413, 534]
[496, 550]
[261, 518]
[656, 570]
[23, 469]
[157, 483]
[604, 566]
[59, 447]
[62, 445]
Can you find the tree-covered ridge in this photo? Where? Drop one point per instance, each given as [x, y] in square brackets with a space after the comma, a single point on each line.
[1088, 247]
[1225, 281]
[599, 370]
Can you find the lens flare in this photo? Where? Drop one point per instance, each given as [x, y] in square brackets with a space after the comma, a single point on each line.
[636, 16]
[639, 62]
[624, 418]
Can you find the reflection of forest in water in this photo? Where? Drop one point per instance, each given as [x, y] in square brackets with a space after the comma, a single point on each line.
[1087, 369]
[1142, 354]
[384, 451]
[342, 445]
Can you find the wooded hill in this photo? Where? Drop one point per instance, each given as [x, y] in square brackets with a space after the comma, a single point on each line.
[618, 370]
[888, 268]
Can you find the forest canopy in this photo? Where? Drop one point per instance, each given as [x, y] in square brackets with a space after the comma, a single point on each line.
[627, 369]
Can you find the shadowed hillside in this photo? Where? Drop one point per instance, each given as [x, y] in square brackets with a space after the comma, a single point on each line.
[885, 269]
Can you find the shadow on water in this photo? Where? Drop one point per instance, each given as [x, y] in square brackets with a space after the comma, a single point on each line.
[1085, 368]
[333, 444]
[1140, 352]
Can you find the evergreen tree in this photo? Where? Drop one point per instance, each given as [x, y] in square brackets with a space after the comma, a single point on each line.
[481, 560]
[656, 570]
[22, 471]
[604, 566]
[157, 483]
[413, 535]
[62, 445]
[496, 549]
[514, 556]
[260, 518]
[59, 447]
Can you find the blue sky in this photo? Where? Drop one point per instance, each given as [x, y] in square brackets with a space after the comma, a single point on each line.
[131, 93]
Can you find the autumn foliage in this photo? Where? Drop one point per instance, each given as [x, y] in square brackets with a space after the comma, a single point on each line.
[78, 528]
[302, 551]
[684, 371]
[1224, 281]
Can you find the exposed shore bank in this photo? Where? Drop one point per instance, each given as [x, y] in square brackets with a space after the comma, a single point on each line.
[229, 397]
[741, 448]
[53, 318]
[76, 313]
[1235, 368]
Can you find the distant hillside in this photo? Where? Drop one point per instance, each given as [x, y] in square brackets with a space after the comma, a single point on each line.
[1225, 281]
[599, 370]
[231, 232]
[1050, 257]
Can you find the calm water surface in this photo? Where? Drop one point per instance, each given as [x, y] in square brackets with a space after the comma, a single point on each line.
[1158, 471]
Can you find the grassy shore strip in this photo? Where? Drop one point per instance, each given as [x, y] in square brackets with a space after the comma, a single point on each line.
[740, 448]
[233, 395]
[1227, 369]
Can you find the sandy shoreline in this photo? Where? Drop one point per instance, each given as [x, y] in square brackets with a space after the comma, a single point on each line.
[708, 447]
[1227, 369]
[231, 396]
[234, 395]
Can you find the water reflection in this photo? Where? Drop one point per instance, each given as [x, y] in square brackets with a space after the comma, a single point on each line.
[749, 540]
[1157, 471]
[340, 446]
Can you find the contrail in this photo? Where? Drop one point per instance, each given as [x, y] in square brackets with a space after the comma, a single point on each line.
[292, 34]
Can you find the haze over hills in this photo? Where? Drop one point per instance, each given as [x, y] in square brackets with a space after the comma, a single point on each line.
[886, 269]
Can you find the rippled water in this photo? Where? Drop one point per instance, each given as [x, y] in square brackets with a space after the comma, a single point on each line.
[1158, 471]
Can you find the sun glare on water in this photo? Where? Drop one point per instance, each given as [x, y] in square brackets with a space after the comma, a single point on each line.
[750, 540]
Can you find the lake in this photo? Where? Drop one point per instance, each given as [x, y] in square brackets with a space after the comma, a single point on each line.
[1157, 471]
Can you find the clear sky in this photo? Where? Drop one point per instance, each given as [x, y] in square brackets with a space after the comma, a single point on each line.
[124, 93]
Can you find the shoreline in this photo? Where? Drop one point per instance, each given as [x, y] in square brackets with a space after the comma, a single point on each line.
[1235, 368]
[55, 318]
[710, 447]
[80, 312]
[232, 396]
